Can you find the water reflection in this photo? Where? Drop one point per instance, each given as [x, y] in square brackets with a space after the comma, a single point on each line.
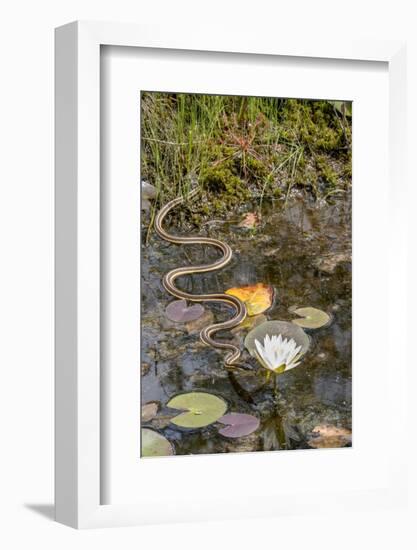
[304, 252]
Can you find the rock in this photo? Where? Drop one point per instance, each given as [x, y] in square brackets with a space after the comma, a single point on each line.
[250, 382]
[272, 251]
[145, 205]
[149, 410]
[246, 444]
[328, 264]
[160, 422]
[197, 325]
[144, 368]
[148, 190]
[148, 193]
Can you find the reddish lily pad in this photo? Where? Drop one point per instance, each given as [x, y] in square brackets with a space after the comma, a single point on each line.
[238, 424]
[179, 312]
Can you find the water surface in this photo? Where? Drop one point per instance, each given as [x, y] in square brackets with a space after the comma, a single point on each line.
[303, 250]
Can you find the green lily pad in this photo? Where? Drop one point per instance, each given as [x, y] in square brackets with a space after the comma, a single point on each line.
[155, 444]
[200, 409]
[311, 317]
[287, 330]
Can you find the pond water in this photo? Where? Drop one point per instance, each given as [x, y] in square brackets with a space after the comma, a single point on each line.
[303, 250]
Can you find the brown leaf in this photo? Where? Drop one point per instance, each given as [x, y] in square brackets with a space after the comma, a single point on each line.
[326, 437]
[149, 411]
[250, 220]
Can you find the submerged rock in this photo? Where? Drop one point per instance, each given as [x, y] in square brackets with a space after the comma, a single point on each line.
[328, 264]
[207, 318]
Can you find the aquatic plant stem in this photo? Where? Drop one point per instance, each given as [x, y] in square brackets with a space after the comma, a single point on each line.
[282, 440]
[276, 392]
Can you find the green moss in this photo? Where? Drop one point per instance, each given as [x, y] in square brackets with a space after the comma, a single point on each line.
[242, 149]
[255, 167]
[325, 171]
[313, 124]
[224, 188]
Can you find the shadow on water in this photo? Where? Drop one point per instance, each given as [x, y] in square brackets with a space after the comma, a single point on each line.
[304, 252]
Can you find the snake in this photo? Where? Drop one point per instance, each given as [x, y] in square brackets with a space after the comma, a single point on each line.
[231, 360]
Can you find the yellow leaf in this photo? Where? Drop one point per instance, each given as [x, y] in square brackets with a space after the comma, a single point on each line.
[258, 298]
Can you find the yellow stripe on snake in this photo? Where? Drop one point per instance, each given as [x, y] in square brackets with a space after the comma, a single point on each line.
[231, 359]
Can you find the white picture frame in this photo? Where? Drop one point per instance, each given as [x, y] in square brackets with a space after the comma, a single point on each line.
[78, 410]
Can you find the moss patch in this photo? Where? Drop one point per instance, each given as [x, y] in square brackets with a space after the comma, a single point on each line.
[240, 149]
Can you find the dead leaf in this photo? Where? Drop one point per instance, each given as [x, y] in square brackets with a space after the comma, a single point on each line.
[149, 411]
[326, 436]
[250, 220]
[258, 298]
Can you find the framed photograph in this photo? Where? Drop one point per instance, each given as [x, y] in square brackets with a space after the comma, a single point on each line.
[230, 289]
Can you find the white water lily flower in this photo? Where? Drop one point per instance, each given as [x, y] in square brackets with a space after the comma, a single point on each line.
[278, 354]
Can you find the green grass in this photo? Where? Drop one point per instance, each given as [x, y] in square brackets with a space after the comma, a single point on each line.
[243, 148]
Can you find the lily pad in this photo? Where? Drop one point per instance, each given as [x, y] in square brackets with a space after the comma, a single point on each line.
[287, 330]
[329, 437]
[200, 409]
[257, 298]
[238, 424]
[149, 411]
[155, 444]
[311, 317]
[179, 312]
